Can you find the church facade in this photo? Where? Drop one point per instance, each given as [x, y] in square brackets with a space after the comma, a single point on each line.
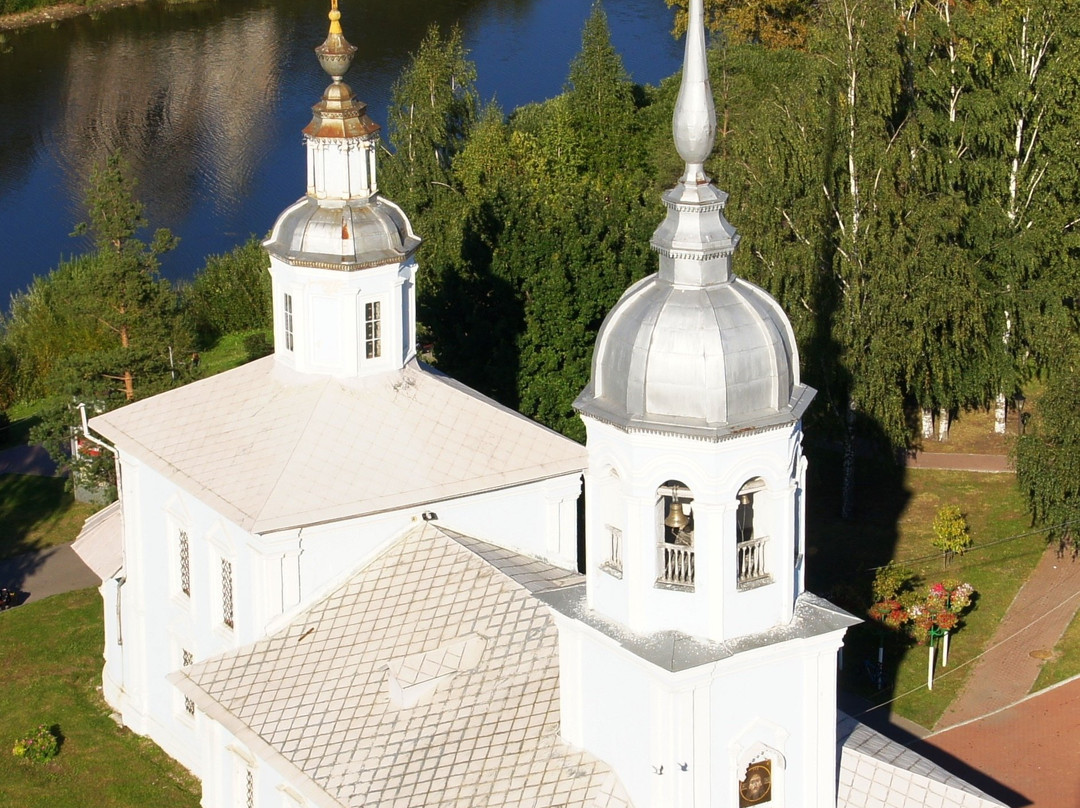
[347, 579]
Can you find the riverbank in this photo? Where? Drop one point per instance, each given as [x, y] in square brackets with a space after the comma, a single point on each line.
[60, 11]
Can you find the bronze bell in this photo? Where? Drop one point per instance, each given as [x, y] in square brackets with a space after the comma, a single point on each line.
[676, 518]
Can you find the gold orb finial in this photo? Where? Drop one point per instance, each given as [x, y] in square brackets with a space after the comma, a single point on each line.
[335, 54]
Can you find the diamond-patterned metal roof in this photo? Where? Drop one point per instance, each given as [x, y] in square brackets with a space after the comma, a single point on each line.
[877, 772]
[481, 723]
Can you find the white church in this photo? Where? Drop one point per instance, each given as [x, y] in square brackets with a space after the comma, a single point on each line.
[343, 579]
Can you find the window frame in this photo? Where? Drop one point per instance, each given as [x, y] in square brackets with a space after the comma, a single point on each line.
[288, 323]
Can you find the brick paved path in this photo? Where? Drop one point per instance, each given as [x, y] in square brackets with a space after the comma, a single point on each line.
[1033, 624]
[1025, 755]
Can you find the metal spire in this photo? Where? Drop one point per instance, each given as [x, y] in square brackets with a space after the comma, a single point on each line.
[695, 241]
[694, 121]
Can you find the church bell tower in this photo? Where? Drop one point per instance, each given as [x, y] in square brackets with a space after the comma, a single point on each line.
[695, 662]
[342, 257]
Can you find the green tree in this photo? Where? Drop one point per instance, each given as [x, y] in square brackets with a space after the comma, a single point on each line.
[123, 292]
[1022, 185]
[581, 224]
[231, 293]
[1047, 457]
[47, 324]
[775, 24]
[951, 532]
[433, 108]
[132, 330]
[599, 98]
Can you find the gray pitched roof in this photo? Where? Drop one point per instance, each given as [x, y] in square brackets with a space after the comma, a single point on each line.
[272, 449]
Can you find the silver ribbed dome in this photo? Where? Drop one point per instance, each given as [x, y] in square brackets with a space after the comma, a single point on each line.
[705, 360]
[353, 235]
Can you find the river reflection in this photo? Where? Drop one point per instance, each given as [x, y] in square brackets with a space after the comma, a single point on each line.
[207, 101]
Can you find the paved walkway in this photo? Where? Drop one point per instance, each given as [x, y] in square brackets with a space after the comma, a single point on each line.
[1033, 623]
[1025, 755]
[27, 460]
[954, 461]
[46, 572]
[52, 570]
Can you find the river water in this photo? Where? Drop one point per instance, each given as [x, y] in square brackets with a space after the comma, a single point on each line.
[207, 101]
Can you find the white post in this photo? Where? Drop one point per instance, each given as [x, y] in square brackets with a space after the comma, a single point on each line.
[930, 669]
[945, 651]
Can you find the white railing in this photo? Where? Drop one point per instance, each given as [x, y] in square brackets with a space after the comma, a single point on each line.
[676, 563]
[614, 559]
[752, 568]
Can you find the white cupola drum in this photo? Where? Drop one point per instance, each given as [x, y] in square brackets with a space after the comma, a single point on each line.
[693, 415]
[342, 256]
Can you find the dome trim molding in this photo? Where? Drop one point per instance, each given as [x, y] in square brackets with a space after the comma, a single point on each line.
[591, 407]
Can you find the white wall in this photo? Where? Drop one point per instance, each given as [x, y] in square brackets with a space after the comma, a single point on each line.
[625, 471]
[274, 576]
[700, 727]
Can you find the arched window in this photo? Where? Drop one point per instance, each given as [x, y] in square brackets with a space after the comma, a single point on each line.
[750, 546]
[676, 536]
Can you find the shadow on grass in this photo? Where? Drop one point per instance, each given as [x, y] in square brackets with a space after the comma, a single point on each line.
[843, 556]
[36, 515]
[17, 432]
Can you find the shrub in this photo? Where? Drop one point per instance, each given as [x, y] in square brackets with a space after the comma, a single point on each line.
[38, 746]
[257, 345]
[951, 532]
[232, 293]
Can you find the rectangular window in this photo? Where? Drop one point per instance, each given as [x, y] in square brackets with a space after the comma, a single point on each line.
[185, 563]
[373, 329]
[288, 323]
[226, 593]
[187, 659]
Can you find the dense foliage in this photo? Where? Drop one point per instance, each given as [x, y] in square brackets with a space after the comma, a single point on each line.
[1048, 458]
[231, 294]
[901, 176]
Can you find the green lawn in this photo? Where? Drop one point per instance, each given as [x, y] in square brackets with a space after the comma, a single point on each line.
[36, 512]
[893, 521]
[52, 669]
[1066, 660]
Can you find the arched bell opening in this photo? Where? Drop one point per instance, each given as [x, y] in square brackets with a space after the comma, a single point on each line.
[751, 547]
[675, 532]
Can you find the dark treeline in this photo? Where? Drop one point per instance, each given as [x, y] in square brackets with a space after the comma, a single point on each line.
[901, 173]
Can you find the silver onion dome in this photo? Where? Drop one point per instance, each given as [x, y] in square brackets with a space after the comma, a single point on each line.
[704, 360]
[349, 226]
[694, 349]
[356, 234]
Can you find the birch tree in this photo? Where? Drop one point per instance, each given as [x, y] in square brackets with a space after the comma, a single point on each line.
[1024, 184]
